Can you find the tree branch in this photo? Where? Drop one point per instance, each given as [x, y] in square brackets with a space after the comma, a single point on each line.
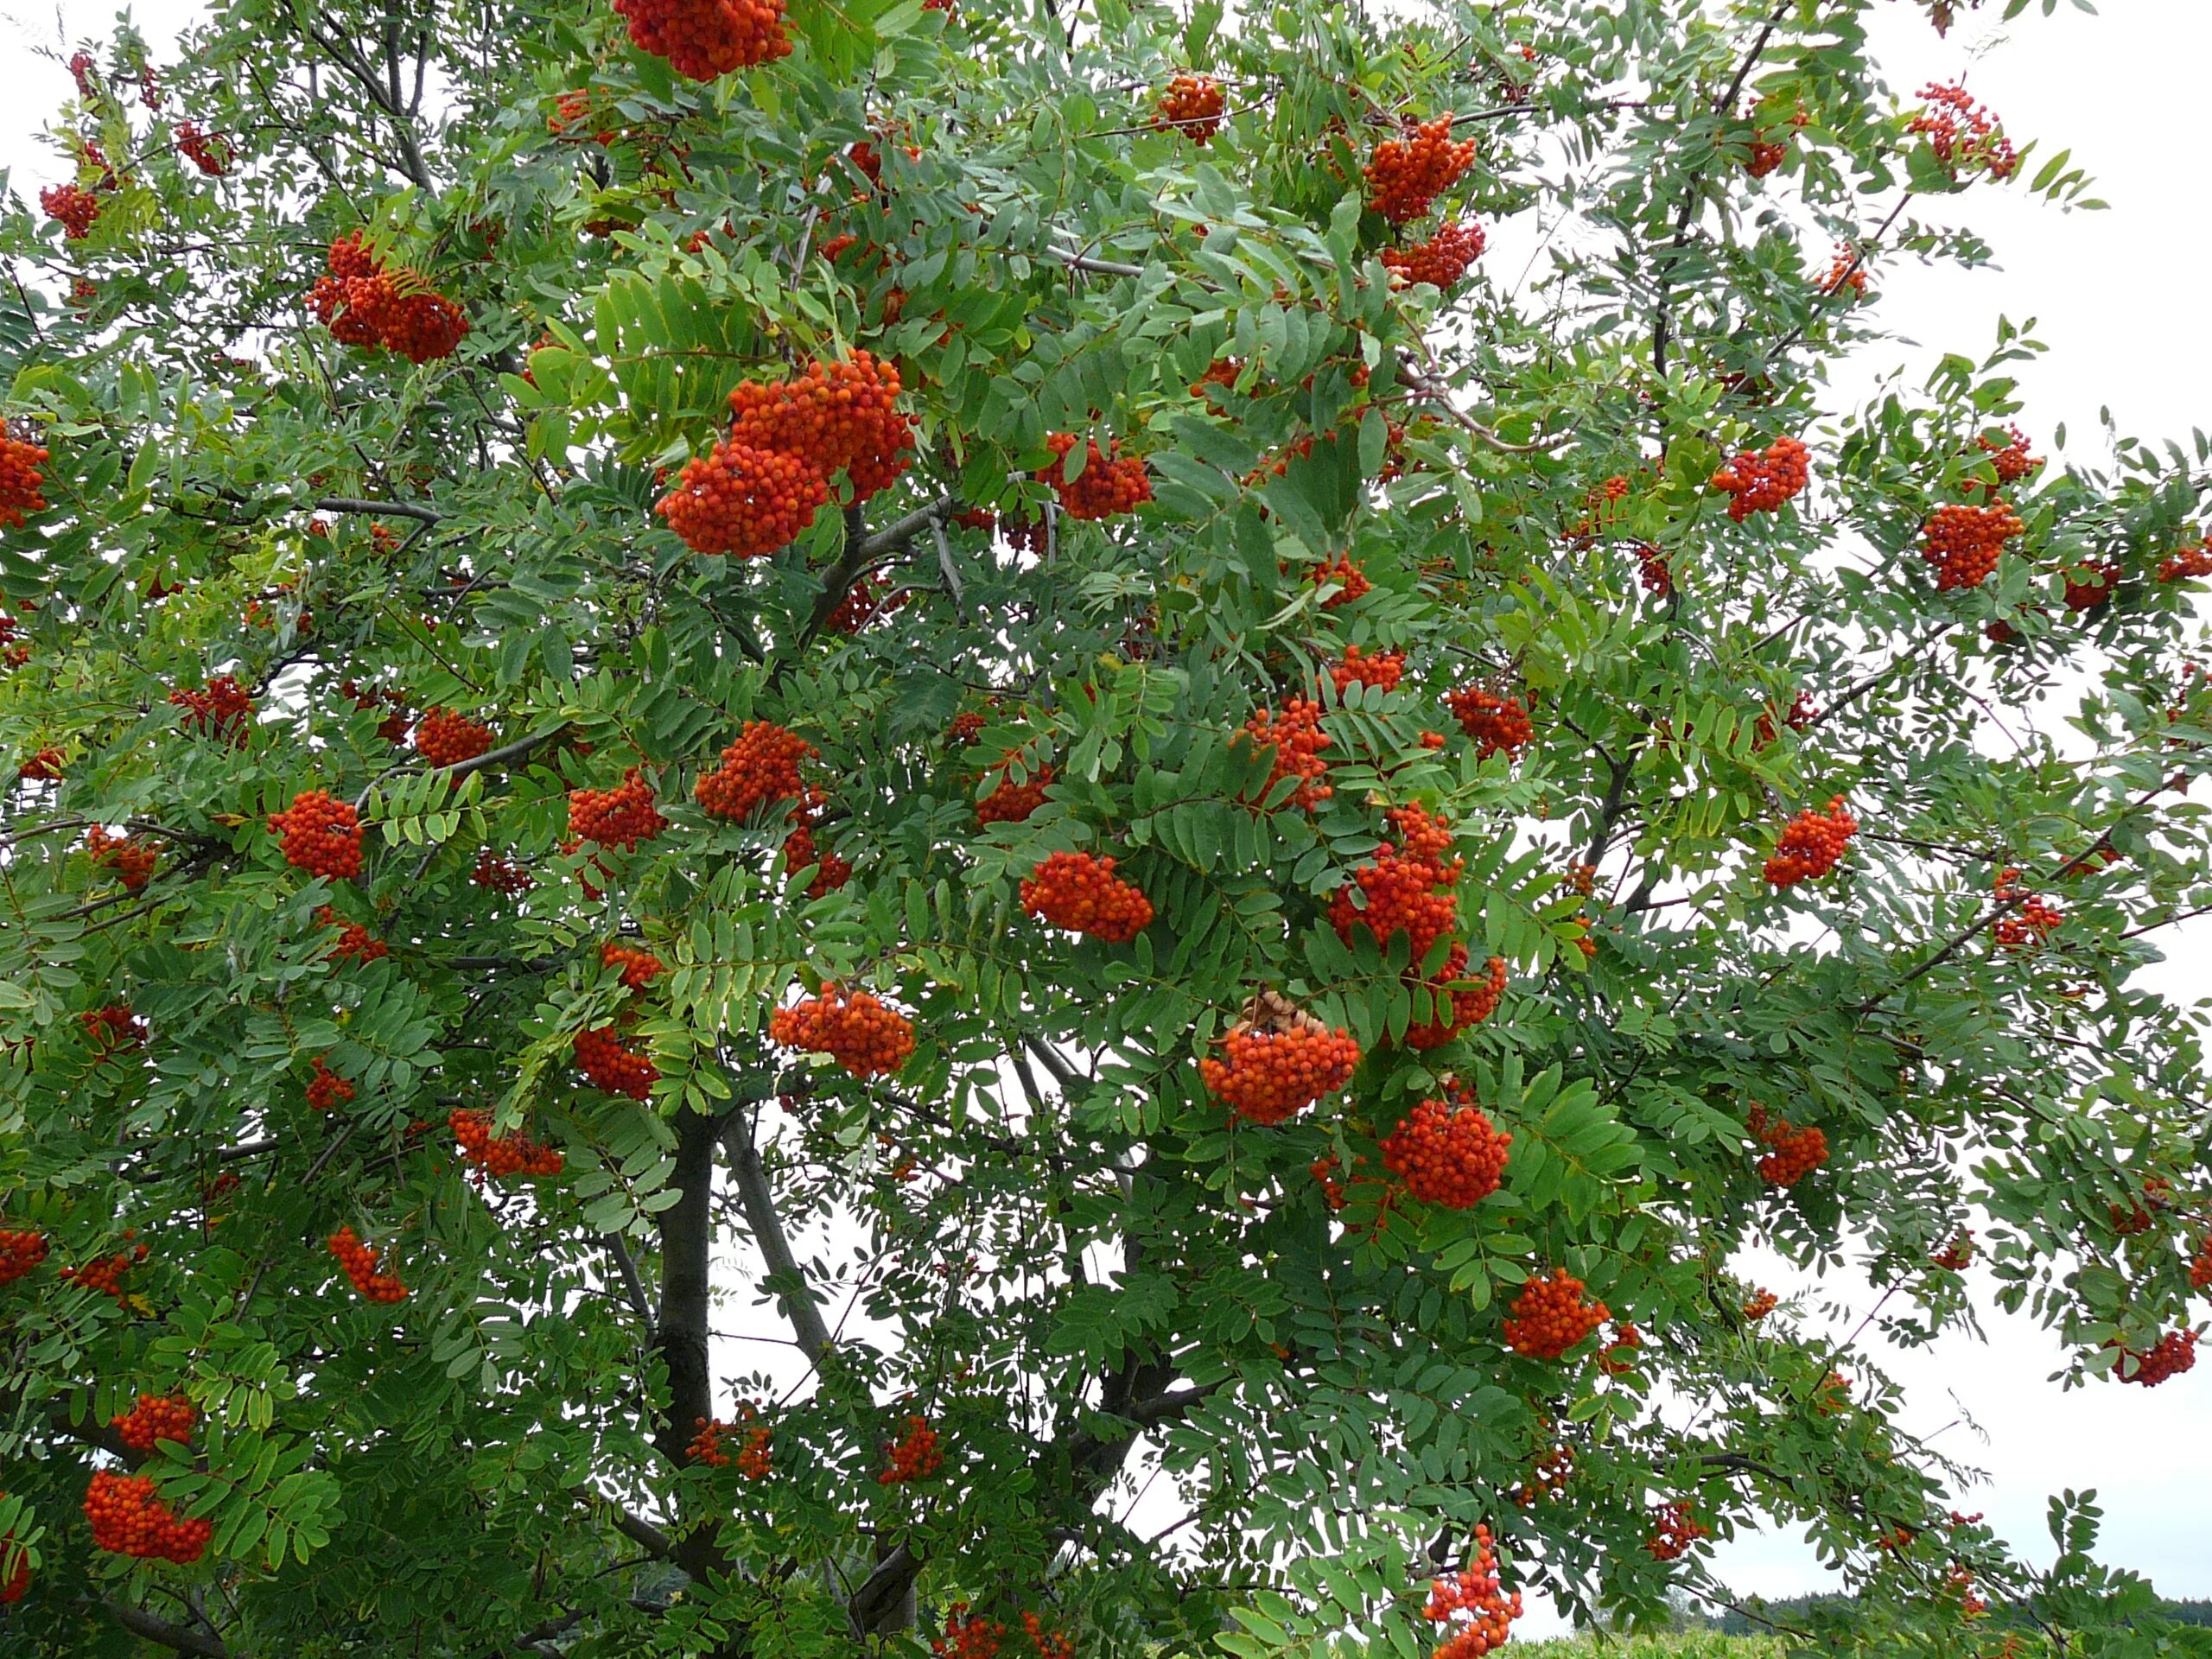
[760, 1206]
[151, 1627]
[380, 509]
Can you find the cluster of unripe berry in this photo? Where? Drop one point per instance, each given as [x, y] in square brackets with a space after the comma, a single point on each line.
[1963, 541]
[1110, 483]
[155, 1417]
[1441, 261]
[1448, 1153]
[364, 303]
[1277, 1060]
[1796, 1152]
[447, 738]
[22, 482]
[1081, 893]
[607, 1064]
[1475, 1604]
[1761, 480]
[1811, 845]
[704, 39]
[913, 1456]
[1297, 738]
[762, 485]
[223, 709]
[1962, 133]
[855, 1029]
[128, 1518]
[501, 1156]
[322, 836]
[621, 816]
[1550, 1316]
[1192, 106]
[1405, 175]
[362, 1263]
[1498, 724]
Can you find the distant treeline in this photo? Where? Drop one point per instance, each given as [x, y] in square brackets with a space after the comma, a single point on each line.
[2194, 1611]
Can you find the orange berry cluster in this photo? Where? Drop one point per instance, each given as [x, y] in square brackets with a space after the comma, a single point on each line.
[968, 1636]
[2089, 585]
[1550, 1316]
[500, 875]
[1847, 268]
[1618, 1357]
[128, 1519]
[914, 1456]
[1352, 581]
[1297, 738]
[1962, 133]
[2193, 560]
[1957, 1255]
[132, 859]
[830, 872]
[354, 943]
[752, 1459]
[22, 483]
[856, 1030]
[1762, 1303]
[1081, 893]
[364, 303]
[21, 1248]
[1476, 1596]
[1812, 844]
[1010, 802]
[2034, 920]
[74, 208]
[446, 738]
[1406, 175]
[2200, 1270]
[1448, 1153]
[761, 767]
[1797, 1153]
[707, 1444]
[209, 151]
[743, 501]
[327, 1089]
[1277, 1060]
[154, 1418]
[704, 39]
[1496, 724]
[2172, 1354]
[1963, 542]
[1380, 673]
[621, 816]
[321, 835]
[1765, 155]
[838, 415]
[1409, 887]
[1802, 715]
[1548, 1477]
[223, 709]
[2011, 461]
[869, 598]
[499, 1156]
[361, 1263]
[113, 1027]
[639, 968]
[1109, 484]
[1761, 480]
[1465, 1007]
[1192, 104]
[1441, 261]
[104, 1274]
[964, 728]
[44, 767]
[607, 1064]
[1674, 1529]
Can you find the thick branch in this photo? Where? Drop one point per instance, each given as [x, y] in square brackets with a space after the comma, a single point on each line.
[151, 1627]
[380, 509]
[759, 1206]
[680, 1333]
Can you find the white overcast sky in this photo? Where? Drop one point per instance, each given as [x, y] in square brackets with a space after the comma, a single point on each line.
[2116, 296]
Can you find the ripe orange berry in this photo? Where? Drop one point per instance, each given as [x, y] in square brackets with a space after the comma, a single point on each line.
[327, 1089]
[915, 1455]
[1108, 484]
[621, 816]
[1761, 482]
[1449, 1154]
[1674, 1529]
[132, 859]
[155, 1417]
[704, 39]
[1498, 724]
[761, 767]
[1963, 542]
[1405, 176]
[1378, 673]
[1441, 261]
[1797, 1153]
[361, 1263]
[499, 1156]
[1191, 105]
[607, 1064]
[743, 500]
[21, 478]
[447, 739]
[1811, 845]
[21, 1248]
[1297, 738]
[1011, 803]
[1474, 1604]
[223, 709]
[128, 1519]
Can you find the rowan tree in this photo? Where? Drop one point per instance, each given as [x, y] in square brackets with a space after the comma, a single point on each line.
[593, 554]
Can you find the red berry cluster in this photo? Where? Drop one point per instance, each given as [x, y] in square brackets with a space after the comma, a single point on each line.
[1963, 542]
[393, 728]
[104, 1274]
[354, 943]
[869, 598]
[1081, 893]
[1109, 484]
[74, 208]
[22, 482]
[132, 859]
[2089, 584]
[1010, 802]
[2184, 563]
[500, 875]
[499, 1156]
[2031, 922]
[128, 1519]
[2010, 462]
[113, 1027]
[1297, 738]
[321, 835]
[1409, 887]
[1441, 261]
[1474, 1603]
[704, 39]
[156, 1418]
[1547, 1478]
[967, 1636]
[639, 968]
[607, 1064]
[1461, 1007]
[1406, 175]
[761, 767]
[1351, 580]
[1496, 724]
[1962, 133]
[1674, 1529]
[1192, 104]
[1957, 1255]
[914, 1456]
[1654, 570]
[361, 1263]
[1618, 1357]
[830, 872]
[1812, 844]
[2172, 1354]
[743, 501]
[1797, 1153]
[1847, 268]
[44, 767]
[446, 738]
[1277, 1060]
[364, 303]
[1765, 155]
[707, 1443]
[1550, 1317]
[1448, 1153]
[225, 709]
[1761, 480]
[21, 1248]
[857, 1030]
[326, 1089]
[621, 816]
[1378, 673]
[209, 151]
[1762, 1303]
[964, 728]
[2200, 1270]
[1802, 715]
